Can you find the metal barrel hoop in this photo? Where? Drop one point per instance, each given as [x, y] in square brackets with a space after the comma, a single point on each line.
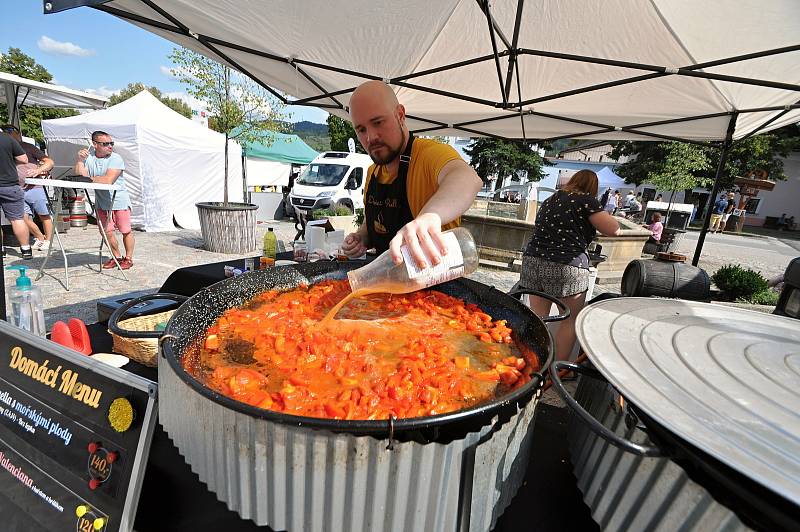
[594, 425]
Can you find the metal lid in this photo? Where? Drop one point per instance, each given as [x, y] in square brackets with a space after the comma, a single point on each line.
[724, 379]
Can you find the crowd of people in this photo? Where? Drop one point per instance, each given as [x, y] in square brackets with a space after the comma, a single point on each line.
[20, 201]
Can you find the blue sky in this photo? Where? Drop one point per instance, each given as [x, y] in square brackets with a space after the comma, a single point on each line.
[89, 50]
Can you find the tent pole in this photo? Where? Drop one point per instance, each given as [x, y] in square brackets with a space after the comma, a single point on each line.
[723, 156]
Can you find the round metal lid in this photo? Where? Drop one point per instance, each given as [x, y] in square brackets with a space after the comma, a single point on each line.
[724, 379]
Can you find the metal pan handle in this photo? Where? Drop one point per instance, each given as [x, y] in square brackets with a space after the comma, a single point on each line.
[595, 426]
[517, 291]
[113, 321]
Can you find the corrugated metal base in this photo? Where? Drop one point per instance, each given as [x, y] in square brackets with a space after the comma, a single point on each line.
[293, 478]
[628, 492]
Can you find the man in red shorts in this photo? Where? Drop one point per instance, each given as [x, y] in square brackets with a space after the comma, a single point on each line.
[104, 166]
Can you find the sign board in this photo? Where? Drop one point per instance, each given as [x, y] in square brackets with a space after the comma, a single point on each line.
[74, 437]
[351, 145]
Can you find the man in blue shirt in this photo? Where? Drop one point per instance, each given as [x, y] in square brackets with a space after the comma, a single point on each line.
[717, 212]
[104, 166]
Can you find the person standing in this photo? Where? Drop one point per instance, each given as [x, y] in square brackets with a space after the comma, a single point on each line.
[556, 261]
[717, 212]
[416, 188]
[35, 198]
[12, 197]
[604, 198]
[104, 166]
[611, 204]
[729, 207]
[629, 198]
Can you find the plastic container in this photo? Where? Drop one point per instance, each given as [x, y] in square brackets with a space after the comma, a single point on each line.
[300, 250]
[383, 275]
[26, 309]
[270, 245]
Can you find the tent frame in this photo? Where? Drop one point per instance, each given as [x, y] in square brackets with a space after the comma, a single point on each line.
[517, 109]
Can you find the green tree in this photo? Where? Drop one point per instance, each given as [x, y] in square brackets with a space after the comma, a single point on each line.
[18, 63]
[241, 109]
[501, 158]
[176, 104]
[339, 130]
[759, 152]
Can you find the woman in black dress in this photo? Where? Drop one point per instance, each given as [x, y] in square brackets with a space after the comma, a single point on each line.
[556, 260]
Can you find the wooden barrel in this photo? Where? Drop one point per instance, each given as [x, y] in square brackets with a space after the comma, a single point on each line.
[77, 213]
[665, 279]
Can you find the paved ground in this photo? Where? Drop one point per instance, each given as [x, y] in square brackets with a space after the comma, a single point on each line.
[159, 254]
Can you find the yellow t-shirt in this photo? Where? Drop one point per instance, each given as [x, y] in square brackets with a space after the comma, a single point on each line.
[428, 157]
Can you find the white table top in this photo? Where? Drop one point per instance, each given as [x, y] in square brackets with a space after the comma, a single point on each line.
[60, 183]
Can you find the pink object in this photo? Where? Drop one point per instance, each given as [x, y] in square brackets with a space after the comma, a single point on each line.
[656, 228]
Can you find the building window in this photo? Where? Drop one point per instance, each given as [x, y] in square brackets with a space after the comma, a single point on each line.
[753, 205]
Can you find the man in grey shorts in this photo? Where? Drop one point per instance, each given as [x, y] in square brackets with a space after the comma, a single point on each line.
[12, 198]
[35, 198]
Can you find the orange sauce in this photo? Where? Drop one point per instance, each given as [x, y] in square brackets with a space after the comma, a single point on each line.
[407, 355]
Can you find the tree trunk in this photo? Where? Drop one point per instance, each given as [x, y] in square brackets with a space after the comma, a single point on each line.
[225, 194]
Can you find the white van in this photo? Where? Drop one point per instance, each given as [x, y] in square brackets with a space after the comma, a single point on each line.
[333, 178]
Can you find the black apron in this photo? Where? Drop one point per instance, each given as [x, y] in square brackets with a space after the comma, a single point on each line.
[386, 210]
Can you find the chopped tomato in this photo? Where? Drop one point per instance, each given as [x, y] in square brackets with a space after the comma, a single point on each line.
[417, 354]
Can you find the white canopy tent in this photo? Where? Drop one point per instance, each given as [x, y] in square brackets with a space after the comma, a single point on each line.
[618, 69]
[16, 92]
[171, 162]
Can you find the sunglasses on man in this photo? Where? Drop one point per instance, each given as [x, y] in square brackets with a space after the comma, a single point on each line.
[105, 144]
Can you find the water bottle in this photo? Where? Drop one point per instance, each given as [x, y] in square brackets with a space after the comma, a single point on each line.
[26, 309]
[383, 275]
[270, 248]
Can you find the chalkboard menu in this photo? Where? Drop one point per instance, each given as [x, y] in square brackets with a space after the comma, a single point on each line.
[74, 437]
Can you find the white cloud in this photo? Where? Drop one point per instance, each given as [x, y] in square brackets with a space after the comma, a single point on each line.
[103, 91]
[167, 71]
[190, 100]
[51, 46]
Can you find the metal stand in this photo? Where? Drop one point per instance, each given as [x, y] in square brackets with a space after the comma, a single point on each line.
[104, 239]
[40, 273]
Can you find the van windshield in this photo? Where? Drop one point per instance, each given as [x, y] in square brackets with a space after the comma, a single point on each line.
[322, 175]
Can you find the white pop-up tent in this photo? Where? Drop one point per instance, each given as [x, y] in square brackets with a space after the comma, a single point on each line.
[16, 92]
[702, 72]
[171, 162]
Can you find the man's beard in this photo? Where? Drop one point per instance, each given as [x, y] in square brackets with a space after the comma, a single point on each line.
[393, 152]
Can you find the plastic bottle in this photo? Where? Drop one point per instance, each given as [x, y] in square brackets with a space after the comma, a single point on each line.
[270, 247]
[383, 275]
[26, 309]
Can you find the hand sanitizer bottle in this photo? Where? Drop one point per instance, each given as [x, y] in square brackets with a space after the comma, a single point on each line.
[26, 309]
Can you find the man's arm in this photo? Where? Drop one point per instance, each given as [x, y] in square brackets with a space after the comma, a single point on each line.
[458, 185]
[109, 177]
[80, 164]
[21, 159]
[47, 165]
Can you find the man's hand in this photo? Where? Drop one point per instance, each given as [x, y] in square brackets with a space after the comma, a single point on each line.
[423, 236]
[354, 245]
[32, 171]
[83, 155]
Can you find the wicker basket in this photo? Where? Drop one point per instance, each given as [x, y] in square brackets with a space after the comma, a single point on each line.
[137, 338]
[142, 350]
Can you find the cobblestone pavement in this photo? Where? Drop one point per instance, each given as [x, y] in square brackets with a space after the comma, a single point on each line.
[157, 255]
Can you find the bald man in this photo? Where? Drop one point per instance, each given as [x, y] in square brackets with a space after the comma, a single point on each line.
[416, 188]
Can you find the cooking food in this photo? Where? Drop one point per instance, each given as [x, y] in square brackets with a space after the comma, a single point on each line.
[410, 355]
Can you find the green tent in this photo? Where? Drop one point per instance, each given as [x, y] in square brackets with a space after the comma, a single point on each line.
[289, 149]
